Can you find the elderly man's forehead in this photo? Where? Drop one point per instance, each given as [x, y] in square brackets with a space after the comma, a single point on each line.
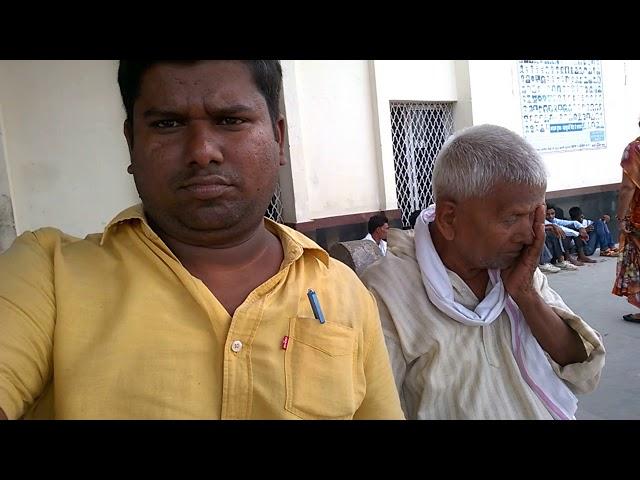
[517, 193]
[520, 201]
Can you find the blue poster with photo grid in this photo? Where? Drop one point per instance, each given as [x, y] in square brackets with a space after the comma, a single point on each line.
[561, 104]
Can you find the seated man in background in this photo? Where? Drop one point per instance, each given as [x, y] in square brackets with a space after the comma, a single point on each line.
[599, 234]
[378, 226]
[545, 265]
[574, 232]
[472, 327]
[558, 244]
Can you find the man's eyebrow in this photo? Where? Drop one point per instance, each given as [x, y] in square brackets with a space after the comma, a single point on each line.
[159, 112]
[515, 210]
[229, 109]
[223, 110]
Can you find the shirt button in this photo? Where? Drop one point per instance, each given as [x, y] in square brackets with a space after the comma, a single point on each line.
[236, 346]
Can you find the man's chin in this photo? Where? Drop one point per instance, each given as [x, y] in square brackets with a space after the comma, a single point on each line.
[223, 216]
[502, 263]
[205, 223]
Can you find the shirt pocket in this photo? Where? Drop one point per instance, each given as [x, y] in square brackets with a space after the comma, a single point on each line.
[320, 369]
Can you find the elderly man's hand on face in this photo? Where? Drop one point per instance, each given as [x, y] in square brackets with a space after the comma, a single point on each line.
[518, 279]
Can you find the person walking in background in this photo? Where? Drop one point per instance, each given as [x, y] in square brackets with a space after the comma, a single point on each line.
[627, 283]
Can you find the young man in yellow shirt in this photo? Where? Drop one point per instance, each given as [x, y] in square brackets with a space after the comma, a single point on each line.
[192, 304]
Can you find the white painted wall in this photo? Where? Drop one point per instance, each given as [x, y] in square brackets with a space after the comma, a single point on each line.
[64, 145]
[293, 176]
[331, 137]
[495, 98]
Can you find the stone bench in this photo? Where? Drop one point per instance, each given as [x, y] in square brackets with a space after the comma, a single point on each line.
[356, 254]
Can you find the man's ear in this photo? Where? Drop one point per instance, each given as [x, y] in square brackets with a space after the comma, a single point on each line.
[445, 222]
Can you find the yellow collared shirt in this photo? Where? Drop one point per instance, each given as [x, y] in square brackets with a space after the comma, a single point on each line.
[113, 326]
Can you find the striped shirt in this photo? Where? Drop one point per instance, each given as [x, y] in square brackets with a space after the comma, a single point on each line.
[446, 370]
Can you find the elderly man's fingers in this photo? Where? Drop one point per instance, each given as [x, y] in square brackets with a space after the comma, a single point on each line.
[531, 254]
[538, 215]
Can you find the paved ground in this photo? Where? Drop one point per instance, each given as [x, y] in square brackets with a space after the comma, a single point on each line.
[588, 292]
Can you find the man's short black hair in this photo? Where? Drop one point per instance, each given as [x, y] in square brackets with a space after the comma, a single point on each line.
[413, 217]
[574, 213]
[267, 75]
[376, 221]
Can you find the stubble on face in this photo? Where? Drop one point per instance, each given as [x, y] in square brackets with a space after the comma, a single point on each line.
[244, 157]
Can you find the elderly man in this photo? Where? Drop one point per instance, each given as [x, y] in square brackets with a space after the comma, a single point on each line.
[191, 305]
[473, 329]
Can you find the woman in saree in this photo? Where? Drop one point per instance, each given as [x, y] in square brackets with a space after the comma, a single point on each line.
[627, 282]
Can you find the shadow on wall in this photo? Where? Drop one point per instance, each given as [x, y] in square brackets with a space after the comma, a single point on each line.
[7, 226]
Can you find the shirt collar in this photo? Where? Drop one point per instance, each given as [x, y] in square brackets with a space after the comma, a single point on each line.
[135, 212]
[294, 243]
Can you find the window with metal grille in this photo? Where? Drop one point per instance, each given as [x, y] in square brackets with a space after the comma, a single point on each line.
[274, 210]
[418, 130]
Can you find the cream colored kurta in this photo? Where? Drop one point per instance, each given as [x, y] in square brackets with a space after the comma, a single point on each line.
[446, 370]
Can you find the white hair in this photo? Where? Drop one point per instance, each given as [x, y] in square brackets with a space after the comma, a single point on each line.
[473, 160]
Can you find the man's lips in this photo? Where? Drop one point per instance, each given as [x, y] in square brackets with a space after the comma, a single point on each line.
[207, 187]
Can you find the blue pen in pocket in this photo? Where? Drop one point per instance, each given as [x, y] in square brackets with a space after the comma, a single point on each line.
[315, 305]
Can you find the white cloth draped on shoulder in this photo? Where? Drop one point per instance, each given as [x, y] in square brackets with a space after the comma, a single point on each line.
[530, 358]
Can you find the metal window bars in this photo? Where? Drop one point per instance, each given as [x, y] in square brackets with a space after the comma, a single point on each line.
[418, 129]
[274, 210]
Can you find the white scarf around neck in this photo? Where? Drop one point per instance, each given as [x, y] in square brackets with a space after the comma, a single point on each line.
[530, 358]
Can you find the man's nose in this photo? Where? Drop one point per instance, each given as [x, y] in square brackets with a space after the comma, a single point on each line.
[204, 145]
